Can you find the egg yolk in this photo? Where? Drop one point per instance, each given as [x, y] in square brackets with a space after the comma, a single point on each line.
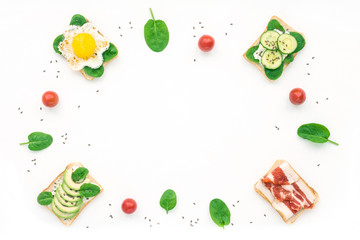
[83, 45]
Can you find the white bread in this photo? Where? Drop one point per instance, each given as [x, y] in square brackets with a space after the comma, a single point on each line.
[267, 195]
[58, 181]
[104, 64]
[287, 28]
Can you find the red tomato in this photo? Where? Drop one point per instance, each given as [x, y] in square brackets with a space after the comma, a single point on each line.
[50, 99]
[129, 206]
[297, 96]
[206, 43]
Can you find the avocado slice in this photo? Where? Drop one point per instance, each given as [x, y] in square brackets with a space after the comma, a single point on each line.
[70, 183]
[66, 196]
[69, 191]
[60, 214]
[66, 209]
[65, 202]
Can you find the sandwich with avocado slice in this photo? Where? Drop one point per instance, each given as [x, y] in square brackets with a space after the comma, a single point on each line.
[69, 193]
[272, 52]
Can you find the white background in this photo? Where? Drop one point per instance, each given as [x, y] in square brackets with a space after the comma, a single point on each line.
[160, 120]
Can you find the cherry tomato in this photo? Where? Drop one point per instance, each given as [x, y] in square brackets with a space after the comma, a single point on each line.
[297, 96]
[50, 99]
[206, 43]
[129, 206]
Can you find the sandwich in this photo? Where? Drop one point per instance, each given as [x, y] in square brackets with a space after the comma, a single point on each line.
[277, 46]
[69, 193]
[286, 191]
[85, 48]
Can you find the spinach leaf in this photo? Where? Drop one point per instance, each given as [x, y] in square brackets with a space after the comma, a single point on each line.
[56, 43]
[315, 132]
[89, 190]
[300, 41]
[79, 174]
[289, 58]
[219, 212]
[78, 20]
[94, 72]
[168, 200]
[45, 198]
[274, 24]
[156, 34]
[110, 53]
[274, 74]
[250, 54]
[38, 141]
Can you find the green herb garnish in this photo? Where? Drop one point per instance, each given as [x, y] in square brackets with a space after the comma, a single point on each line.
[250, 54]
[45, 198]
[168, 200]
[38, 141]
[274, 24]
[88, 190]
[156, 34]
[94, 72]
[79, 174]
[57, 42]
[78, 20]
[289, 58]
[110, 53]
[315, 132]
[300, 41]
[219, 212]
[274, 74]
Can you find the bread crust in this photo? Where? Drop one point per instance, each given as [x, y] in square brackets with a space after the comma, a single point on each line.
[293, 218]
[288, 28]
[52, 185]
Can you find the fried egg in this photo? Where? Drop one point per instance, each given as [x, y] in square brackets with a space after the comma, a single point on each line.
[83, 46]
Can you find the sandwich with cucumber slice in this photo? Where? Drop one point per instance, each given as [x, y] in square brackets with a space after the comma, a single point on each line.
[69, 193]
[272, 52]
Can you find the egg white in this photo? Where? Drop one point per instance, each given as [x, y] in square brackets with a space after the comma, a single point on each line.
[76, 63]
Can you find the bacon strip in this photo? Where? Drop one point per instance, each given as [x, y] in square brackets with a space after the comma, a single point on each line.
[292, 196]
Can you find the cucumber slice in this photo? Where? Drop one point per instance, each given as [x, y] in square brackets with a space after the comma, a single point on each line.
[287, 43]
[269, 39]
[271, 59]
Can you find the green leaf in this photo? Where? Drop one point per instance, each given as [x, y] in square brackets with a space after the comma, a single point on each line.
[79, 174]
[110, 53]
[38, 141]
[219, 212]
[57, 42]
[274, 74]
[78, 20]
[88, 190]
[315, 132]
[300, 41]
[156, 34]
[168, 200]
[94, 72]
[250, 54]
[274, 24]
[289, 58]
[45, 198]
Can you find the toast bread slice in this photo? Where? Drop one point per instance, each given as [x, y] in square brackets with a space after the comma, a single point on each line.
[104, 64]
[257, 42]
[294, 217]
[58, 181]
